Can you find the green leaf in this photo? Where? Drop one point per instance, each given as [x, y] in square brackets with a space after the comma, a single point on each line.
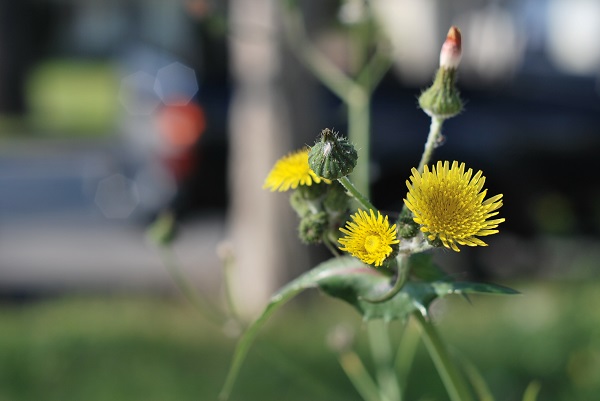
[348, 279]
[466, 287]
[422, 267]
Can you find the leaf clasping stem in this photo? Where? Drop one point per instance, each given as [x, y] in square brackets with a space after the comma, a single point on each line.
[402, 262]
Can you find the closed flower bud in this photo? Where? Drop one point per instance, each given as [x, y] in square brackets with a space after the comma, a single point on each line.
[436, 242]
[336, 200]
[300, 204]
[407, 228]
[451, 52]
[312, 227]
[332, 156]
[442, 99]
[307, 199]
[313, 192]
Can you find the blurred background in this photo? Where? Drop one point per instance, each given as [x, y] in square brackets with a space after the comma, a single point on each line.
[114, 111]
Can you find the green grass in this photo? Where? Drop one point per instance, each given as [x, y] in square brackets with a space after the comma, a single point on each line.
[144, 348]
[72, 98]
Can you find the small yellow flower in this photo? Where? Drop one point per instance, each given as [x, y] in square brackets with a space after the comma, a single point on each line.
[369, 237]
[290, 171]
[449, 204]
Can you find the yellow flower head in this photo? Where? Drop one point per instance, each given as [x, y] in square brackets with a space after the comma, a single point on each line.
[369, 237]
[449, 204]
[290, 171]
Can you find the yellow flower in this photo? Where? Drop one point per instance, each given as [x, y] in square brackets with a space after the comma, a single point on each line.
[369, 237]
[449, 204]
[290, 171]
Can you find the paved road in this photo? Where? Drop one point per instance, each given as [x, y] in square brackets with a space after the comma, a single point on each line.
[54, 235]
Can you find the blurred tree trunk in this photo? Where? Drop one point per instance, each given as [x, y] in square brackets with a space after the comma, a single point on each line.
[261, 223]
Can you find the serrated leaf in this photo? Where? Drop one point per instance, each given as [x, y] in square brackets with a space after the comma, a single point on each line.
[348, 279]
[422, 267]
[466, 287]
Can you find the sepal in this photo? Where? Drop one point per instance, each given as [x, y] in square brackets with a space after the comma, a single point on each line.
[332, 156]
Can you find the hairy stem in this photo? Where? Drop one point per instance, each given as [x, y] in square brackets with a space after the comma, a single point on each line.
[435, 132]
[356, 194]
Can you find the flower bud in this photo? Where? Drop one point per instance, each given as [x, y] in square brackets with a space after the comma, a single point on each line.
[442, 99]
[436, 242]
[332, 156]
[300, 204]
[451, 49]
[407, 228]
[312, 227]
[336, 200]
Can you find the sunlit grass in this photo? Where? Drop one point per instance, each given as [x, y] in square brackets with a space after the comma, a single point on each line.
[73, 98]
[142, 348]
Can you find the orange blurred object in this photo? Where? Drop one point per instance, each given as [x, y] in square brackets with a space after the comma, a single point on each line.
[181, 125]
[198, 8]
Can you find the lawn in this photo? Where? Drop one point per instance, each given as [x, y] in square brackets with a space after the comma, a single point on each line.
[147, 348]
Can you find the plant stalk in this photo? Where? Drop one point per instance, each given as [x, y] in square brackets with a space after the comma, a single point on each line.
[358, 375]
[381, 350]
[435, 131]
[455, 384]
[189, 292]
[362, 200]
[359, 121]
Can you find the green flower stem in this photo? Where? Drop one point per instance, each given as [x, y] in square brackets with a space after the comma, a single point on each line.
[435, 131]
[455, 384]
[358, 375]
[359, 121]
[532, 391]
[356, 194]
[478, 383]
[377, 66]
[381, 350]
[308, 379]
[354, 92]
[189, 292]
[228, 260]
[406, 352]
[329, 243]
[320, 66]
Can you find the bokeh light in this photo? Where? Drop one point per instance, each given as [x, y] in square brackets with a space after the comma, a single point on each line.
[117, 197]
[181, 125]
[137, 94]
[176, 84]
[573, 32]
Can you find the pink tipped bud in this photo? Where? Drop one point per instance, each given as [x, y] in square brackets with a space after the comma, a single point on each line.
[451, 49]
